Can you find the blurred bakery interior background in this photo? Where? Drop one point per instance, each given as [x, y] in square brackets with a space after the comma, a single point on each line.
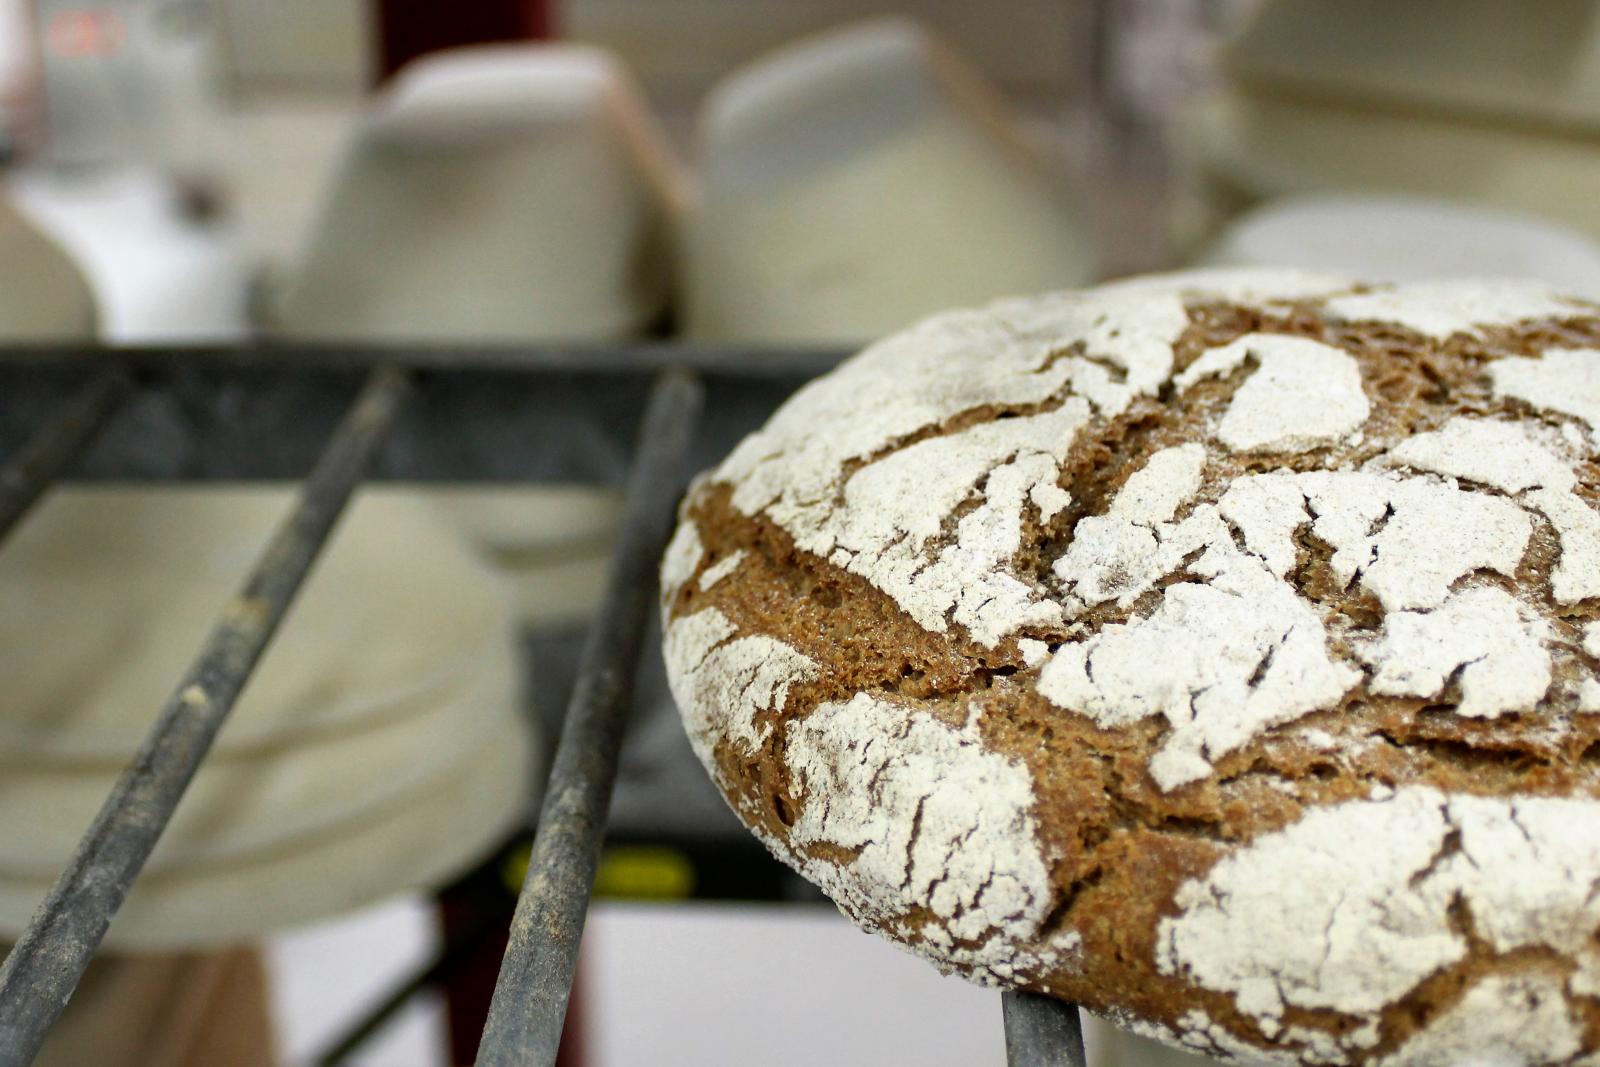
[748, 172]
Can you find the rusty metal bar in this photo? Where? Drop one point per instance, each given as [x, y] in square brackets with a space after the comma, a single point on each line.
[44, 968]
[530, 997]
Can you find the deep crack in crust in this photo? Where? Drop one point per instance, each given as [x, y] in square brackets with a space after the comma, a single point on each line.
[1118, 849]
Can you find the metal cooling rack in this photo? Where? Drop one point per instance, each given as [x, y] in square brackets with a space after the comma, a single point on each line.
[332, 417]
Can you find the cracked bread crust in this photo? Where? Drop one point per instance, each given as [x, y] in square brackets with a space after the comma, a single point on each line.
[1218, 651]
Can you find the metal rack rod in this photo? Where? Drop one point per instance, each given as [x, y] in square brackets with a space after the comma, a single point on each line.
[490, 416]
[757, 361]
[50, 451]
[44, 968]
[535, 982]
[523, 403]
[1041, 1031]
[437, 969]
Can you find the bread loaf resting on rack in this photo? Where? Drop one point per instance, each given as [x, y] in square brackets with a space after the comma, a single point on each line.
[1218, 651]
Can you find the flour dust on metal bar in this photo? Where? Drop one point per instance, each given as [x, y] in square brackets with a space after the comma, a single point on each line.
[530, 997]
[49, 452]
[43, 969]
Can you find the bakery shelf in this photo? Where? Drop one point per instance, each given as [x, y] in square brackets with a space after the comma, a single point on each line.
[334, 417]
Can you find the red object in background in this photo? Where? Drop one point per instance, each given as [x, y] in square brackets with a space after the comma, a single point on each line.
[477, 911]
[410, 28]
[90, 32]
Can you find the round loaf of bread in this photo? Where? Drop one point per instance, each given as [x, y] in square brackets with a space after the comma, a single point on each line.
[1218, 651]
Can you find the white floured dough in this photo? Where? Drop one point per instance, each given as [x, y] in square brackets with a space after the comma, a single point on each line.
[1441, 309]
[858, 180]
[1500, 652]
[935, 819]
[860, 771]
[1156, 491]
[1491, 452]
[1359, 936]
[892, 508]
[396, 611]
[721, 569]
[1197, 1030]
[1115, 556]
[1009, 354]
[275, 799]
[1504, 1020]
[1107, 345]
[1303, 395]
[682, 556]
[1577, 573]
[1407, 539]
[1589, 688]
[897, 387]
[1192, 661]
[1227, 660]
[1435, 533]
[1562, 379]
[1221, 661]
[721, 681]
[439, 833]
[1266, 510]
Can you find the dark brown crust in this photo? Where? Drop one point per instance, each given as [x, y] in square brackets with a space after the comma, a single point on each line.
[1120, 846]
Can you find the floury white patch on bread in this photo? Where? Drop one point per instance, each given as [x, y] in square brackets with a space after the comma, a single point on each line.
[721, 569]
[1154, 493]
[1504, 1019]
[895, 507]
[1442, 309]
[878, 407]
[935, 820]
[1254, 702]
[927, 809]
[683, 556]
[1483, 635]
[1303, 395]
[722, 681]
[1361, 935]
[1116, 556]
[1227, 660]
[1577, 576]
[1406, 539]
[1499, 454]
[1222, 660]
[1562, 379]
[895, 504]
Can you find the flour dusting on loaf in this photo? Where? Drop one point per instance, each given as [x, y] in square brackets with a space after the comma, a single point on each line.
[1220, 651]
[1303, 394]
[1444, 308]
[1566, 380]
